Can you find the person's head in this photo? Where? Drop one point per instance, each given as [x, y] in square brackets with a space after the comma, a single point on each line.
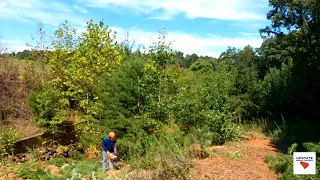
[112, 136]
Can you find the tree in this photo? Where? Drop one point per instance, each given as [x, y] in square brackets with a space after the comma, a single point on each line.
[179, 59]
[229, 55]
[202, 66]
[3, 46]
[190, 59]
[301, 18]
[39, 51]
[161, 52]
[303, 15]
[75, 70]
[65, 37]
[25, 54]
[78, 65]
[127, 46]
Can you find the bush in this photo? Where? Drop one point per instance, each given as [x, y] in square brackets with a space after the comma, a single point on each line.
[58, 160]
[79, 169]
[76, 155]
[34, 172]
[202, 66]
[88, 131]
[48, 106]
[283, 165]
[163, 151]
[8, 136]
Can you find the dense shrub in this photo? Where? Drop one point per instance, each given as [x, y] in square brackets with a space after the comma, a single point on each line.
[8, 137]
[163, 151]
[283, 165]
[48, 106]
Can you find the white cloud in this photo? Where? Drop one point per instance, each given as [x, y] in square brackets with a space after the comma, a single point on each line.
[214, 9]
[51, 13]
[209, 44]
[212, 22]
[250, 24]
[249, 34]
[164, 16]
[80, 9]
[15, 45]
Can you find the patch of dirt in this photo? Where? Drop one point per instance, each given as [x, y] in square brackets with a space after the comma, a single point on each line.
[239, 161]
[53, 170]
[10, 175]
[114, 173]
[142, 174]
[24, 126]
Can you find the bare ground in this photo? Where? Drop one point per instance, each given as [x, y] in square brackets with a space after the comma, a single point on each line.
[238, 161]
[234, 161]
[24, 126]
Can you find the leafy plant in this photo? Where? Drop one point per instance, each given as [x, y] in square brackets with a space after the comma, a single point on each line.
[283, 165]
[48, 106]
[8, 137]
[163, 151]
[34, 171]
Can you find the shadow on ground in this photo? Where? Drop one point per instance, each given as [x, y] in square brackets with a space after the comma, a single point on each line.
[66, 137]
[285, 133]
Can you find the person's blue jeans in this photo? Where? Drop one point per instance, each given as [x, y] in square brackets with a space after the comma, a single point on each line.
[106, 161]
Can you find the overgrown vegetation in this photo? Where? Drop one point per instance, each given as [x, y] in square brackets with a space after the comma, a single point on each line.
[283, 165]
[8, 137]
[166, 108]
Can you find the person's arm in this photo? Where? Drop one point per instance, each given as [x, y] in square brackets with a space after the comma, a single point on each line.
[103, 145]
[115, 150]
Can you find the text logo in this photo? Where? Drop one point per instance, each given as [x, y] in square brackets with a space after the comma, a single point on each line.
[304, 163]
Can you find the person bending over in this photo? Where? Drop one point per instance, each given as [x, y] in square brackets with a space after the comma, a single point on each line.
[109, 151]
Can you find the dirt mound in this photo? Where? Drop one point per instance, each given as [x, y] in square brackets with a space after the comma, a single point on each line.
[243, 160]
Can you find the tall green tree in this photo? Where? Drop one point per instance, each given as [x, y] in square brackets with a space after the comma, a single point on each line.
[301, 45]
[76, 66]
[190, 59]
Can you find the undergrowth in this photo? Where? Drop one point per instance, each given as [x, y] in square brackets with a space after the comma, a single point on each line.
[34, 172]
[283, 163]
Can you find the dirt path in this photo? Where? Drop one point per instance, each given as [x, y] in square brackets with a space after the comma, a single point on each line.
[238, 161]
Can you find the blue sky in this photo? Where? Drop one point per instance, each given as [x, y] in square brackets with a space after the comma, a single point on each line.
[205, 27]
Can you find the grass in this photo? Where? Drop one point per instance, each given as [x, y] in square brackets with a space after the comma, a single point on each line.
[235, 155]
[69, 169]
[255, 128]
[35, 172]
[59, 161]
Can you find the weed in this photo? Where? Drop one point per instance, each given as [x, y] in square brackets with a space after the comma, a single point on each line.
[79, 168]
[34, 154]
[59, 161]
[76, 155]
[35, 172]
[282, 164]
[235, 155]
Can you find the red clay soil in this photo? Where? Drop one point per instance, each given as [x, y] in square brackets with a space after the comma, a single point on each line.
[242, 161]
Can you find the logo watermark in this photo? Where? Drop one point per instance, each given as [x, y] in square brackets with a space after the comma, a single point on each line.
[304, 163]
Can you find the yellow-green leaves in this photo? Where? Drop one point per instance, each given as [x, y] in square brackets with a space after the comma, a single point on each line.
[78, 62]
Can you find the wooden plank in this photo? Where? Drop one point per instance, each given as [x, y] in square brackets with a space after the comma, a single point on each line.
[29, 137]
